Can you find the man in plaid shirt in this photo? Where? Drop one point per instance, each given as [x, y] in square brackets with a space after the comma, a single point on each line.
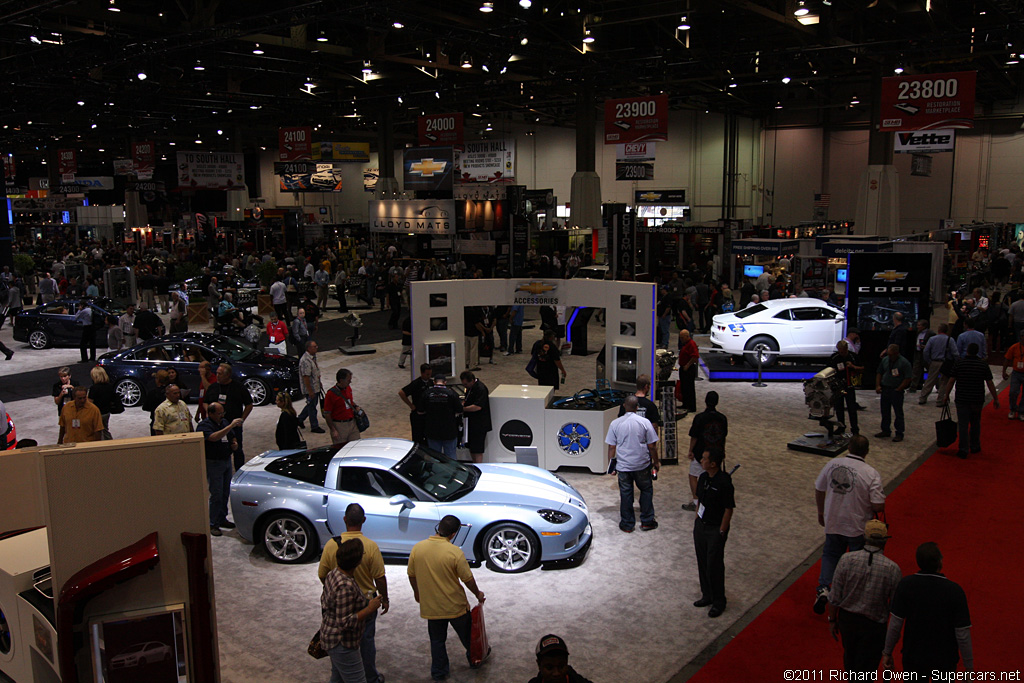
[862, 590]
[344, 609]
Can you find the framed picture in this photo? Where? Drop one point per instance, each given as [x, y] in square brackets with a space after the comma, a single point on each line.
[143, 646]
[439, 300]
[627, 329]
[441, 357]
[438, 324]
[624, 364]
[627, 302]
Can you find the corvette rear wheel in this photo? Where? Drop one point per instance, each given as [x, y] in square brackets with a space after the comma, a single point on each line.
[289, 539]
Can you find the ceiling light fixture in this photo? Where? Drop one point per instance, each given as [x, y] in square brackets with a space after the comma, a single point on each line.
[398, 24]
[321, 38]
[854, 99]
[437, 94]
[113, 7]
[801, 10]
[81, 103]
[141, 75]
[503, 69]
[220, 132]
[467, 61]
[487, 7]
[587, 38]
[257, 50]
[35, 39]
[786, 79]
[400, 100]
[309, 83]
[93, 126]
[898, 70]
[253, 106]
[367, 67]
[198, 141]
[684, 25]
[199, 66]
[778, 105]
[489, 127]
[733, 84]
[526, 4]
[484, 68]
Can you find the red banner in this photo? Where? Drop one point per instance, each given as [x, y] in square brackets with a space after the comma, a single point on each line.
[9, 166]
[637, 119]
[294, 144]
[67, 162]
[144, 160]
[928, 101]
[440, 130]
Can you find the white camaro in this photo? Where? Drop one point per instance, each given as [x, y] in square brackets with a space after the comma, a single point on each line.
[791, 327]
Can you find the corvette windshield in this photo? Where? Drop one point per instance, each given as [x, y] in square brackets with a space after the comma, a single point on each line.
[437, 474]
[756, 308]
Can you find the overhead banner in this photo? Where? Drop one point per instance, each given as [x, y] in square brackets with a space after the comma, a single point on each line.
[420, 216]
[637, 119]
[428, 168]
[634, 161]
[294, 144]
[67, 163]
[308, 176]
[928, 101]
[342, 151]
[767, 247]
[104, 182]
[660, 197]
[842, 248]
[440, 129]
[924, 141]
[210, 170]
[370, 178]
[124, 166]
[144, 160]
[486, 161]
[9, 166]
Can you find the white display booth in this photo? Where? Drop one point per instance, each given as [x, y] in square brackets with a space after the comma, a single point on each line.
[522, 414]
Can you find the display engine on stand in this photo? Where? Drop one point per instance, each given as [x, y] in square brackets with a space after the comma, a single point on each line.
[821, 393]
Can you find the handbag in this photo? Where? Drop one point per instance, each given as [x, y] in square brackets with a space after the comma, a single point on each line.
[945, 428]
[315, 649]
[478, 647]
[531, 368]
[362, 421]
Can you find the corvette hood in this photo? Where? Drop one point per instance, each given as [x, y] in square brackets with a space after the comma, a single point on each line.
[522, 485]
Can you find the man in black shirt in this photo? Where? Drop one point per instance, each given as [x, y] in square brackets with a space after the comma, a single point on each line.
[902, 337]
[937, 620]
[477, 407]
[220, 434]
[707, 433]
[147, 322]
[237, 404]
[645, 406]
[970, 375]
[472, 321]
[410, 394]
[716, 502]
[441, 408]
[844, 362]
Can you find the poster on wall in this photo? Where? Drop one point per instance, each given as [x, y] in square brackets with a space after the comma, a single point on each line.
[210, 170]
[928, 101]
[486, 161]
[294, 144]
[428, 168]
[370, 178]
[144, 159]
[67, 163]
[440, 129]
[420, 216]
[342, 151]
[634, 161]
[814, 273]
[636, 119]
[308, 176]
[124, 166]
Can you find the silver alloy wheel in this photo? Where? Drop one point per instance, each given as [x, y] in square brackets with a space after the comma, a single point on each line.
[257, 391]
[38, 339]
[130, 392]
[509, 549]
[285, 538]
[760, 352]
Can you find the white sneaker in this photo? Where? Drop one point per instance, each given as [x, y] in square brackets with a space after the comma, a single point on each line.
[1013, 415]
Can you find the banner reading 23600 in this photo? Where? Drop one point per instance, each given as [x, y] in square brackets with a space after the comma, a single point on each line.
[637, 119]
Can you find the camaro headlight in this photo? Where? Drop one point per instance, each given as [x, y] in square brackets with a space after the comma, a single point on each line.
[554, 516]
[737, 327]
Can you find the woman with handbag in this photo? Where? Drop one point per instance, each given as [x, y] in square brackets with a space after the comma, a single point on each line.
[344, 609]
[102, 394]
[287, 433]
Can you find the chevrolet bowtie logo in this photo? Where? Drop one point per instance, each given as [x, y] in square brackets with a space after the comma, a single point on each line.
[536, 288]
[428, 168]
[650, 196]
[889, 275]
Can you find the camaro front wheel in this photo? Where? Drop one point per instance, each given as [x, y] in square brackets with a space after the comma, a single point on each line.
[511, 548]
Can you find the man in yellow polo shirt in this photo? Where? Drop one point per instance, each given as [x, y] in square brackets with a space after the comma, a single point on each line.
[370, 578]
[436, 566]
[172, 416]
[80, 420]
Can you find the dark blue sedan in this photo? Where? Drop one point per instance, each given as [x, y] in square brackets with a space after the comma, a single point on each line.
[264, 375]
[53, 324]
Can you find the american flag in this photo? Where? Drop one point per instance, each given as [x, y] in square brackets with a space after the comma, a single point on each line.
[822, 199]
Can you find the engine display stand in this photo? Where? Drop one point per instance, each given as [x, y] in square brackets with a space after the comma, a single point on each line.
[355, 349]
[821, 444]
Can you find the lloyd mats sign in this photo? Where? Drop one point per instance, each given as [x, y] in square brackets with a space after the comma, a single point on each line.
[419, 216]
[924, 141]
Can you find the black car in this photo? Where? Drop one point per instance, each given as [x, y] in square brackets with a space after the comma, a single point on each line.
[244, 292]
[53, 324]
[131, 371]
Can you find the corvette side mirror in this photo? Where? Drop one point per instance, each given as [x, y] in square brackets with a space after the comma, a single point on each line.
[403, 501]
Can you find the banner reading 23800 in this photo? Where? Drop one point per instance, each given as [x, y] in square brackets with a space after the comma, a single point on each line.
[637, 119]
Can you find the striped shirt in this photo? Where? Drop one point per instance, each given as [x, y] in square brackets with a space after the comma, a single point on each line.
[862, 588]
[971, 373]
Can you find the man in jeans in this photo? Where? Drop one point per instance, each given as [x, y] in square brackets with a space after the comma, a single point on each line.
[309, 378]
[848, 493]
[220, 441]
[937, 350]
[1014, 358]
[891, 381]
[970, 375]
[632, 445]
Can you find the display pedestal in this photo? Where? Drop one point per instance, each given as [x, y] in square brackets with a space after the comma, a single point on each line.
[820, 445]
[357, 350]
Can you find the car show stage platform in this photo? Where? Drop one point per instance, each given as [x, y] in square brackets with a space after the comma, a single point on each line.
[718, 369]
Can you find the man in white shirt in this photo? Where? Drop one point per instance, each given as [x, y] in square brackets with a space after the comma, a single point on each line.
[279, 298]
[632, 445]
[848, 492]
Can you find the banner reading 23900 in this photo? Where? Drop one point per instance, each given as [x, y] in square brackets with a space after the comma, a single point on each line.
[638, 119]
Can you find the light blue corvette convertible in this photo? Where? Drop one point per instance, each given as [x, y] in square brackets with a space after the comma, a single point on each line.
[513, 516]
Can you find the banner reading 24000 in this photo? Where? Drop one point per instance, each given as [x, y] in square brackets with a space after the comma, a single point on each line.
[210, 170]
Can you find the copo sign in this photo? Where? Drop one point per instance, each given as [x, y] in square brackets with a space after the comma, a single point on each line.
[927, 101]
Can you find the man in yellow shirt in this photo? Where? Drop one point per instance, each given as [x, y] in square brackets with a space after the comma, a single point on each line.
[80, 420]
[172, 416]
[370, 578]
[436, 566]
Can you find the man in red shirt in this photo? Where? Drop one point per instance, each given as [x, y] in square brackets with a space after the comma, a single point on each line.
[277, 333]
[686, 388]
[340, 410]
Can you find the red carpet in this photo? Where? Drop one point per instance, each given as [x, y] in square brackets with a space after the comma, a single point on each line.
[973, 509]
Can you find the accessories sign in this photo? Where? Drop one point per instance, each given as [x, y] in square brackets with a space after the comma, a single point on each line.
[637, 119]
[440, 129]
[925, 141]
[928, 101]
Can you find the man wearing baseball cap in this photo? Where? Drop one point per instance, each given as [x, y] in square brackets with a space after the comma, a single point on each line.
[553, 662]
[858, 604]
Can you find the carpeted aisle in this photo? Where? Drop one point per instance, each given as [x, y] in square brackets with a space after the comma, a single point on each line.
[972, 508]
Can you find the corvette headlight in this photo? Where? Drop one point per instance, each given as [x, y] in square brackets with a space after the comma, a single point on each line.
[554, 516]
[737, 327]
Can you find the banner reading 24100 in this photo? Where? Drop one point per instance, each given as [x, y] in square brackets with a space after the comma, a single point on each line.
[638, 119]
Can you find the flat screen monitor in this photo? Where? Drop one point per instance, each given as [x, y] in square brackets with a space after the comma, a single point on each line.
[875, 313]
[841, 275]
[752, 271]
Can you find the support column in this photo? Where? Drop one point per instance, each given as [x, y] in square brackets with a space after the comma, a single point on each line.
[387, 183]
[878, 199]
[6, 229]
[585, 196]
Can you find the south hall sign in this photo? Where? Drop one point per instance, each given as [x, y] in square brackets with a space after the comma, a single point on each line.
[420, 216]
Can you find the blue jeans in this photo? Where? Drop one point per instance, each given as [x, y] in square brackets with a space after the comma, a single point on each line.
[446, 446]
[218, 476]
[310, 411]
[502, 325]
[664, 329]
[1016, 384]
[642, 479]
[835, 546]
[346, 665]
[892, 401]
[368, 649]
[438, 630]
[515, 339]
